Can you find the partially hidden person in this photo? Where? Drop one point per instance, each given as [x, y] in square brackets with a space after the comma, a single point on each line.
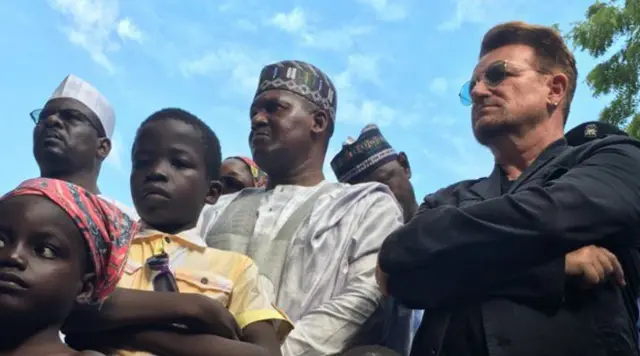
[60, 246]
[591, 130]
[239, 172]
[371, 158]
[177, 296]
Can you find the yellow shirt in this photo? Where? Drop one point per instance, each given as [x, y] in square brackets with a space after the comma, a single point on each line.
[228, 277]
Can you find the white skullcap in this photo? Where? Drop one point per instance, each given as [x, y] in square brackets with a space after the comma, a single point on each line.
[76, 88]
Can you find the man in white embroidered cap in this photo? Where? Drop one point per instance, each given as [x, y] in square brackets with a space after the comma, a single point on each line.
[72, 136]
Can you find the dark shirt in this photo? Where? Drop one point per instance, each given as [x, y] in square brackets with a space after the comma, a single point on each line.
[465, 334]
[470, 244]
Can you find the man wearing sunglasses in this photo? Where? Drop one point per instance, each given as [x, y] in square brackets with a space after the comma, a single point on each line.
[540, 257]
[72, 135]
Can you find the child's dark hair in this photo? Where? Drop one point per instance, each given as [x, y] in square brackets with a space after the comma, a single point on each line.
[210, 141]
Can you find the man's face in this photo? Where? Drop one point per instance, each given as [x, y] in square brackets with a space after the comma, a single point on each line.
[509, 93]
[281, 128]
[396, 175]
[68, 134]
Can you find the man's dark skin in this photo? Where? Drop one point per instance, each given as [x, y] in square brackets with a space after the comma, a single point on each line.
[396, 175]
[69, 143]
[289, 138]
[166, 158]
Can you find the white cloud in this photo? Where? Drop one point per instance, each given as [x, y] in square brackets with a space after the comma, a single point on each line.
[241, 68]
[94, 25]
[296, 22]
[364, 67]
[114, 159]
[366, 111]
[473, 11]
[292, 22]
[340, 39]
[386, 10]
[127, 30]
[439, 86]
[355, 107]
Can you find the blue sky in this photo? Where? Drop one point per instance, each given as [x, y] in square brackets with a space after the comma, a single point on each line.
[398, 64]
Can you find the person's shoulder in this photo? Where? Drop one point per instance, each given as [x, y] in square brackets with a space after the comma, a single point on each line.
[615, 141]
[367, 190]
[228, 258]
[364, 198]
[624, 147]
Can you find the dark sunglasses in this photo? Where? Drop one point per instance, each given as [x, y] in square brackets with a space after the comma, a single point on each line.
[495, 74]
[231, 184]
[66, 115]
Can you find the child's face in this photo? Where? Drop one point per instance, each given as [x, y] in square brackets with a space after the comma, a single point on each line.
[169, 183]
[43, 260]
[235, 175]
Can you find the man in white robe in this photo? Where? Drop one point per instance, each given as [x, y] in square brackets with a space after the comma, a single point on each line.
[315, 242]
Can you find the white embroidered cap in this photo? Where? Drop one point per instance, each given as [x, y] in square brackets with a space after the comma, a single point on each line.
[76, 88]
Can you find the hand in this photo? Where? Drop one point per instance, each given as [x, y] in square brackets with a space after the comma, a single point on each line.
[382, 279]
[209, 316]
[593, 265]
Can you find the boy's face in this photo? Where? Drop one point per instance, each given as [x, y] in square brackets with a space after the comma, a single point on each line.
[169, 183]
[43, 260]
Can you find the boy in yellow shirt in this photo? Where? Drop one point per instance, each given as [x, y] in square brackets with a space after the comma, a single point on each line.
[220, 308]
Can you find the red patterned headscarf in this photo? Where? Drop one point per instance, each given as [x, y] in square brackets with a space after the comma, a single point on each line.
[259, 176]
[106, 229]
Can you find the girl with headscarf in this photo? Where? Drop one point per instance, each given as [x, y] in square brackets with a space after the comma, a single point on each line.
[60, 246]
[239, 172]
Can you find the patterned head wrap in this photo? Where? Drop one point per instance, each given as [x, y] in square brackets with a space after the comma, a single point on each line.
[358, 158]
[303, 79]
[259, 176]
[589, 131]
[107, 231]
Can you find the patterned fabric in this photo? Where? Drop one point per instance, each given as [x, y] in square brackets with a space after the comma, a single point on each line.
[107, 231]
[358, 158]
[303, 79]
[589, 131]
[259, 176]
[329, 275]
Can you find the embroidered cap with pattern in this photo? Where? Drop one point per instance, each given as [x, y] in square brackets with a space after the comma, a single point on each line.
[303, 79]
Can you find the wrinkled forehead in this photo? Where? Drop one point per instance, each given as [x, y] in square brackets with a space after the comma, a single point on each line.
[58, 104]
[67, 104]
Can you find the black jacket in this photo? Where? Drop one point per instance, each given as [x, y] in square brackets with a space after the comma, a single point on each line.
[469, 244]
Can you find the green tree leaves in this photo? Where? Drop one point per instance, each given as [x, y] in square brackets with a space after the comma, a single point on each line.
[613, 28]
